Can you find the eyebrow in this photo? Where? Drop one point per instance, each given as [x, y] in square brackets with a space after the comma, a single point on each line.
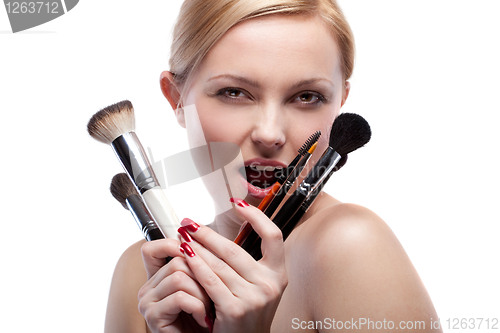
[236, 78]
[255, 84]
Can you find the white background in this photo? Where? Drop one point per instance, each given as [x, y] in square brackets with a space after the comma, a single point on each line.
[426, 78]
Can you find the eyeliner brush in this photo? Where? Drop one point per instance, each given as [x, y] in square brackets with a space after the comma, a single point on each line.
[277, 188]
[349, 132]
[287, 185]
[115, 125]
[252, 237]
[292, 170]
[125, 193]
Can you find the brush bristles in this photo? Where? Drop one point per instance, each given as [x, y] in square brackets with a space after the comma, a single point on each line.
[309, 143]
[349, 132]
[121, 188]
[111, 122]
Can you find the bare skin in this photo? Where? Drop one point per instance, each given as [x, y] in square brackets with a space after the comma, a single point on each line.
[353, 268]
[341, 262]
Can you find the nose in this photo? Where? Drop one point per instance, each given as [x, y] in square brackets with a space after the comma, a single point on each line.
[269, 128]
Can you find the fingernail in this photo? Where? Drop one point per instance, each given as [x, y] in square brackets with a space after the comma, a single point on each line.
[210, 323]
[185, 234]
[190, 225]
[239, 202]
[187, 249]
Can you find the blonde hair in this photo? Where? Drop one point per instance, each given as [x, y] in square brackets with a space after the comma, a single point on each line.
[201, 23]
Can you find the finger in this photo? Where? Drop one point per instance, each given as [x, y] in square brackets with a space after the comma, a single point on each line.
[155, 252]
[178, 264]
[179, 281]
[206, 277]
[232, 254]
[273, 250]
[163, 313]
[234, 281]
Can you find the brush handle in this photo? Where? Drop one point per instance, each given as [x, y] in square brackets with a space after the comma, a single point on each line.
[311, 185]
[321, 169]
[243, 234]
[134, 160]
[163, 213]
[294, 220]
[144, 220]
[287, 185]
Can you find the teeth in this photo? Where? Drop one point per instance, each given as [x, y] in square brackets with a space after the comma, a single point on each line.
[265, 168]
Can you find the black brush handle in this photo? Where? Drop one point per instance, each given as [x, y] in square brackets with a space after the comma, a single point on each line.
[253, 242]
[144, 220]
[292, 223]
[287, 185]
[310, 186]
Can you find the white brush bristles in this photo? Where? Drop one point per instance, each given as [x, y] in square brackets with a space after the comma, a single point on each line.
[111, 122]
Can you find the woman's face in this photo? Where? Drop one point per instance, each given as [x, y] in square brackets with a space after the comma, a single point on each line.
[266, 86]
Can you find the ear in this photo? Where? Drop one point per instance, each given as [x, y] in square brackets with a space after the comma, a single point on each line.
[171, 92]
[347, 88]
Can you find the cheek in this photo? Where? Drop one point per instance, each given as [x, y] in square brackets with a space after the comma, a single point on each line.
[219, 125]
[322, 123]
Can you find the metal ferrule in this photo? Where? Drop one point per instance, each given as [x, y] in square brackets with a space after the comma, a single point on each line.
[321, 170]
[141, 215]
[296, 171]
[132, 156]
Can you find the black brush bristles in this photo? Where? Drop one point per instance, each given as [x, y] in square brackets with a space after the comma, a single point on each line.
[111, 122]
[308, 144]
[121, 188]
[349, 132]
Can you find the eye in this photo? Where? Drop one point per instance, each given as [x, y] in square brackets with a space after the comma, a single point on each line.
[310, 98]
[233, 94]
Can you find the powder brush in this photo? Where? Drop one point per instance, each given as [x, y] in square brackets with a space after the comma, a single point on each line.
[115, 125]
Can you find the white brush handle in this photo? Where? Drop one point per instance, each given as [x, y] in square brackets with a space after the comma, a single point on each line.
[163, 213]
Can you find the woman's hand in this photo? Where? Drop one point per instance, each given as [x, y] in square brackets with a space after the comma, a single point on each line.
[171, 300]
[245, 293]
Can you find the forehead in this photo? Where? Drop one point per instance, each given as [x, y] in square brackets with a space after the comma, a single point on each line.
[276, 46]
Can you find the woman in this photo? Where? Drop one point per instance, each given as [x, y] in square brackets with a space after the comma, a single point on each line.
[265, 75]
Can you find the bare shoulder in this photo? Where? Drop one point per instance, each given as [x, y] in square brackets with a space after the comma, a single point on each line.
[356, 268]
[122, 314]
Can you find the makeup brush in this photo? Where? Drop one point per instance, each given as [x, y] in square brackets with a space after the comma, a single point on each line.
[277, 192]
[125, 192]
[349, 132]
[297, 163]
[287, 185]
[115, 125]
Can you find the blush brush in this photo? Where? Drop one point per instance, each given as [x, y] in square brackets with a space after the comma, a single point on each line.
[115, 125]
[125, 193]
[353, 133]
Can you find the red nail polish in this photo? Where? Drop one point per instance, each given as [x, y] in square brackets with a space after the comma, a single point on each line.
[239, 202]
[190, 225]
[210, 323]
[185, 234]
[188, 250]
